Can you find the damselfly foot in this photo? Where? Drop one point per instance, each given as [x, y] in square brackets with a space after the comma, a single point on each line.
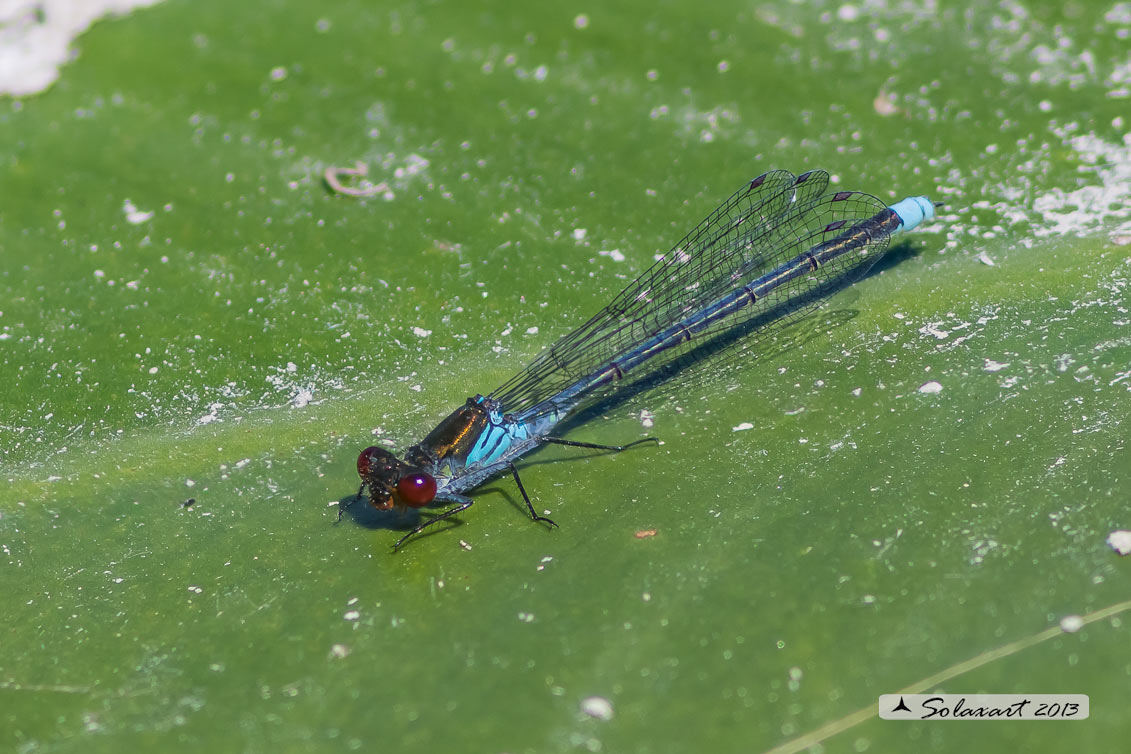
[342, 507]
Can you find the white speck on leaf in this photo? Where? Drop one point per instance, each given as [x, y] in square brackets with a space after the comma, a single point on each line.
[932, 329]
[35, 38]
[135, 216]
[1120, 541]
[1070, 624]
[597, 707]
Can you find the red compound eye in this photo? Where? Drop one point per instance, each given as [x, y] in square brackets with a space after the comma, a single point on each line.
[417, 490]
[364, 460]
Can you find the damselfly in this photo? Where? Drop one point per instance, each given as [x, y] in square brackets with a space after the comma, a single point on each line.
[769, 255]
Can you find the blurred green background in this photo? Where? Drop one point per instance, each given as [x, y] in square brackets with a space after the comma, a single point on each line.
[187, 311]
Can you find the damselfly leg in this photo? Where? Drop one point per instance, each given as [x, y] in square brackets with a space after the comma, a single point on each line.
[465, 502]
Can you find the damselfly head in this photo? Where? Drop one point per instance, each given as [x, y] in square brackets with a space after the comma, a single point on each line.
[391, 482]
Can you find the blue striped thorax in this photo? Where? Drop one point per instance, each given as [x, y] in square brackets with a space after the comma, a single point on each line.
[496, 437]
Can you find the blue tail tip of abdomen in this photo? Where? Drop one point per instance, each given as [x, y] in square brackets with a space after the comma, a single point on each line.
[912, 211]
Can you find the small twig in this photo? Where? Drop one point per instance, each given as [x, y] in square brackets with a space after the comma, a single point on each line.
[332, 175]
